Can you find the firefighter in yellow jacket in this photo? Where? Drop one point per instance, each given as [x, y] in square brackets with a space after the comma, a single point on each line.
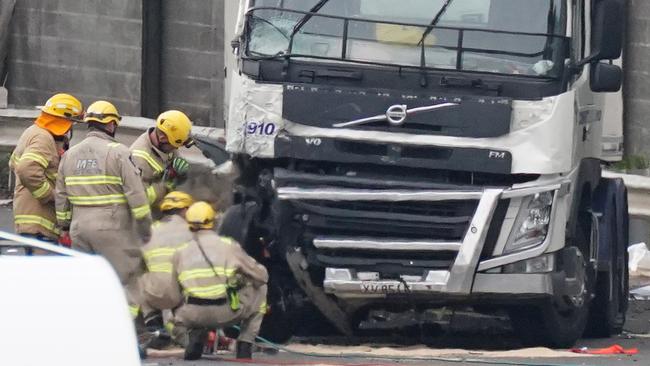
[100, 198]
[168, 235]
[219, 285]
[35, 162]
[155, 153]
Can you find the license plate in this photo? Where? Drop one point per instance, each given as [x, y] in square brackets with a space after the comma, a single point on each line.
[382, 288]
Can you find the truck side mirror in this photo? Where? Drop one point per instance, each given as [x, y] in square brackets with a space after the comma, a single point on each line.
[607, 30]
[606, 33]
[605, 78]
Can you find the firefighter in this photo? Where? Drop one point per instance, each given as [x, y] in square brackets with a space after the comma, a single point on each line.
[168, 234]
[35, 162]
[219, 285]
[101, 201]
[155, 153]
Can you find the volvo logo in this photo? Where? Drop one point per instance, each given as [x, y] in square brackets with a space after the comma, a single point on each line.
[396, 115]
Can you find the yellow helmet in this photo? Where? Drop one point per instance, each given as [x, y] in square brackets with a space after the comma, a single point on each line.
[63, 105]
[176, 126]
[102, 112]
[176, 200]
[200, 216]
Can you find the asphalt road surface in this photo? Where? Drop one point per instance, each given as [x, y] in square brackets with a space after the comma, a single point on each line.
[477, 357]
[477, 348]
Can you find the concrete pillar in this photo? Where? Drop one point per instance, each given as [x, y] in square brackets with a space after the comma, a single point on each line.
[637, 78]
[6, 11]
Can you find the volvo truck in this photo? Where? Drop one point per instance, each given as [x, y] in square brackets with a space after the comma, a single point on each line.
[401, 156]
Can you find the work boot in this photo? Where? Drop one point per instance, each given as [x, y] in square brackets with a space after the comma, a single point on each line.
[194, 348]
[244, 350]
[159, 338]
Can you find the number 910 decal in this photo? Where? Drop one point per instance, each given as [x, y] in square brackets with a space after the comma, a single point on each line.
[260, 128]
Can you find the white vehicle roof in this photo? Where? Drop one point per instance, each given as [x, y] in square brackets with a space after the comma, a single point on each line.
[63, 309]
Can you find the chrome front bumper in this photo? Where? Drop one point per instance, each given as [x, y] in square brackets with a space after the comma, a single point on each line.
[460, 279]
[346, 284]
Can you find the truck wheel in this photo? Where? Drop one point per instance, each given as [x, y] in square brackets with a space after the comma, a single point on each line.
[607, 315]
[238, 223]
[560, 321]
[278, 324]
[547, 325]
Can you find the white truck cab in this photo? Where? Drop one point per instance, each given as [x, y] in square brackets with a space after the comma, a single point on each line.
[401, 156]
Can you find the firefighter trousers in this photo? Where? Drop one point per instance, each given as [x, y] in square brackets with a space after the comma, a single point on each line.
[110, 232]
[249, 316]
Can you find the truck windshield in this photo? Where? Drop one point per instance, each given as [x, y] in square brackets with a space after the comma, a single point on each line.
[522, 37]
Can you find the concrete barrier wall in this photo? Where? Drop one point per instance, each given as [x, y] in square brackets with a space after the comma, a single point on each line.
[91, 48]
[192, 55]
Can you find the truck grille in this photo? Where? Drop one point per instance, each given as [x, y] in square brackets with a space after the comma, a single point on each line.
[440, 221]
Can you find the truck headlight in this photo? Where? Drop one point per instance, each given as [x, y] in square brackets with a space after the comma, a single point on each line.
[533, 222]
[528, 113]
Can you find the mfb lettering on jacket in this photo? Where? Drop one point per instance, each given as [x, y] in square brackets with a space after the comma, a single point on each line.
[86, 164]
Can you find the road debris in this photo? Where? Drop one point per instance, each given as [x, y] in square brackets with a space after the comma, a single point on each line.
[612, 350]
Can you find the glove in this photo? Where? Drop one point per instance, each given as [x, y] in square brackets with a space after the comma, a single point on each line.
[144, 230]
[64, 239]
[181, 166]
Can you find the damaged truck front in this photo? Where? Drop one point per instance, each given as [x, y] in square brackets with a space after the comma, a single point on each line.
[400, 156]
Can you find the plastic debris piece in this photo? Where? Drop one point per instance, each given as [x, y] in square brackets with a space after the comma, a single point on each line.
[612, 350]
[639, 262]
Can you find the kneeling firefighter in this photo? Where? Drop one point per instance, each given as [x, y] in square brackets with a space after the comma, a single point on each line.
[219, 285]
[168, 235]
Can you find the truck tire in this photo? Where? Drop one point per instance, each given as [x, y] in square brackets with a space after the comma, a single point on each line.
[559, 322]
[238, 223]
[607, 315]
[278, 325]
[546, 325]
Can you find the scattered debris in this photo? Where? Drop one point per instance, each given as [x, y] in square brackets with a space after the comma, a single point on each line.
[641, 293]
[611, 350]
[639, 260]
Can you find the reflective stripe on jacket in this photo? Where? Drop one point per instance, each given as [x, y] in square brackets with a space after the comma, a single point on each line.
[152, 164]
[168, 235]
[229, 266]
[99, 172]
[35, 161]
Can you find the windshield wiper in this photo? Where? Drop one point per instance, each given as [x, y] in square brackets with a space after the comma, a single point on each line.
[434, 22]
[301, 23]
[296, 28]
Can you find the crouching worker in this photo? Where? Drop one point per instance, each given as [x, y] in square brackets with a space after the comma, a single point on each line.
[168, 235]
[219, 285]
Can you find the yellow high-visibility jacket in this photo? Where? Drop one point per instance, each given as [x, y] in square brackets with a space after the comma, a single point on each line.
[152, 163]
[35, 162]
[99, 172]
